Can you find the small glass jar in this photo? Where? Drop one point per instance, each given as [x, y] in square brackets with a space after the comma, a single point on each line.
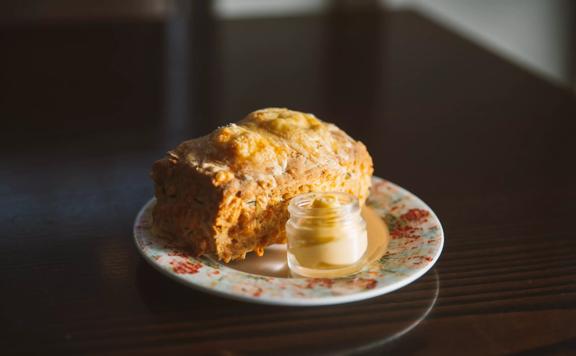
[326, 235]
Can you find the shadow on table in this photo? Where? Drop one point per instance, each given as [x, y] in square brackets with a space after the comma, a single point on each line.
[361, 327]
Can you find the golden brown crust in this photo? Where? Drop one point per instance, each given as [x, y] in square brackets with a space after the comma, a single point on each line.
[227, 192]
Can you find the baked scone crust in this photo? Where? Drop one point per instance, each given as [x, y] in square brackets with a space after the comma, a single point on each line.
[227, 192]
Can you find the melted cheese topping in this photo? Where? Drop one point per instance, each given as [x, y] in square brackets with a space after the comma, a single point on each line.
[267, 144]
[266, 139]
[240, 142]
[284, 122]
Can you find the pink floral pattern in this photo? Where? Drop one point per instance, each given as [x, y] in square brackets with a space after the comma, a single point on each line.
[416, 243]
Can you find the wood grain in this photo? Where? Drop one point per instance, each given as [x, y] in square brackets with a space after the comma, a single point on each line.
[486, 144]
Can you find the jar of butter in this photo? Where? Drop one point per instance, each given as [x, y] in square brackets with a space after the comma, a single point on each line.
[326, 235]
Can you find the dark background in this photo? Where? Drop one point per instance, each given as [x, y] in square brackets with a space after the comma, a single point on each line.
[89, 99]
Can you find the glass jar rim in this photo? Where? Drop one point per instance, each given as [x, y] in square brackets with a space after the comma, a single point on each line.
[300, 205]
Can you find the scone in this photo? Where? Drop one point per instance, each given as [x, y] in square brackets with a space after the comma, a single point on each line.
[227, 193]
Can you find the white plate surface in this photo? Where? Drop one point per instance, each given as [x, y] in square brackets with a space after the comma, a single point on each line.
[415, 245]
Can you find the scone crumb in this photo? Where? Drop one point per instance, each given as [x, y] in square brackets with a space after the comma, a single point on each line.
[223, 177]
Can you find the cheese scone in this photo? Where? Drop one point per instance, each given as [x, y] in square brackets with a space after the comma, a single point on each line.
[227, 193]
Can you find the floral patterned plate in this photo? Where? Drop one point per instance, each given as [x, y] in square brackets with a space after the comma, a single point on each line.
[415, 245]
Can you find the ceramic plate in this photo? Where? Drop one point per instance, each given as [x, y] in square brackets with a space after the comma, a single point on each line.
[416, 240]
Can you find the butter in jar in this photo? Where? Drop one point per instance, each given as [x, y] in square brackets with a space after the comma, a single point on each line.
[326, 234]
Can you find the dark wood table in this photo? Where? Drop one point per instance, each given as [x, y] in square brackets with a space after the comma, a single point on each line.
[86, 108]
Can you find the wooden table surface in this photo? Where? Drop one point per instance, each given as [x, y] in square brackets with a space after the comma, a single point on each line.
[488, 145]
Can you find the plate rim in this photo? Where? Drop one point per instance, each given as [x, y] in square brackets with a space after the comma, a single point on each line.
[308, 301]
